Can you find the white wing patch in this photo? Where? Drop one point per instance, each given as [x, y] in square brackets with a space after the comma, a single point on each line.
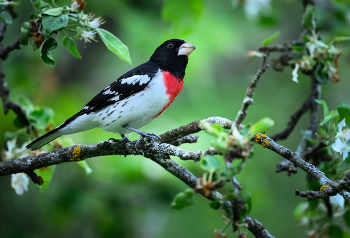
[141, 79]
[116, 98]
[109, 91]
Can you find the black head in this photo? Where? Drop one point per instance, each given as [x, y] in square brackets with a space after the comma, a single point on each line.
[172, 55]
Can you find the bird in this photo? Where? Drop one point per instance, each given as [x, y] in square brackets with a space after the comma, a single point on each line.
[133, 100]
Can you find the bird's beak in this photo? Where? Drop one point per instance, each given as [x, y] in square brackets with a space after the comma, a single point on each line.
[186, 49]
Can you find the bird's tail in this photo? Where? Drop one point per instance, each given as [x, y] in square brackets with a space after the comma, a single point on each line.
[43, 140]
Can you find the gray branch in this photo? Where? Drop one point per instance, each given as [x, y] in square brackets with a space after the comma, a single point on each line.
[332, 187]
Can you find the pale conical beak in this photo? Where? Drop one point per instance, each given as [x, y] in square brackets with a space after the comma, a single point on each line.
[186, 49]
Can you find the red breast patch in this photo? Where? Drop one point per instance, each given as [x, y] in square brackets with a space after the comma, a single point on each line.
[173, 87]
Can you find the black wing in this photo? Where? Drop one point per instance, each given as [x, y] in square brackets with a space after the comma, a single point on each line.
[126, 85]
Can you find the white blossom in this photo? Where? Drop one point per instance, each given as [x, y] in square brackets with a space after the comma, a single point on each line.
[337, 203]
[97, 22]
[295, 73]
[19, 183]
[74, 6]
[89, 35]
[342, 137]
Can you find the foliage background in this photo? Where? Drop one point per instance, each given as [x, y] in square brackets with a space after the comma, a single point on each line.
[130, 197]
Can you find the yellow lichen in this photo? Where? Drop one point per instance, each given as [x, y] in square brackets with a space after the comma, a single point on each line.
[257, 137]
[324, 187]
[76, 153]
[265, 143]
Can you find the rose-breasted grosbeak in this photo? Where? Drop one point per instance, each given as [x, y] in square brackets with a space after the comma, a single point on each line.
[134, 99]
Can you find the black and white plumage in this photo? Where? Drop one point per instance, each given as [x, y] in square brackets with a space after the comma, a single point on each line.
[134, 99]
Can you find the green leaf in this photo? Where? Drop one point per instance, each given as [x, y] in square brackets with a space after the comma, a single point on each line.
[262, 125]
[33, 16]
[46, 173]
[46, 46]
[308, 135]
[52, 23]
[321, 76]
[181, 200]
[189, 192]
[344, 112]
[301, 210]
[53, 11]
[247, 202]
[309, 18]
[18, 123]
[216, 205]
[332, 117]
[41, 117]
[114, 44]
[85, 166]
[227, 209]
[230, 196]
[25, 33]
[26, 104]
[346, 217]
[341, 38]
[233, 170]
[345, 165]
[305, 37]
[324, 105]
[210, 163]
[5, 17]
[271, 38]
[39, 5]
[71, 46]
[335, 231]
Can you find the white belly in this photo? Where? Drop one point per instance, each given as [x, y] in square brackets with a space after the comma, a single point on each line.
[137, 110]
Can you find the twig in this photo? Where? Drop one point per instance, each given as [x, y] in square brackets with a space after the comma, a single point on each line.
[4, 90]
[257, 228]
[276, 48]
[7, 103]
[313, 195]
[310, 169]
[5, 52]
[294, 121]
[193, 127]
[248, 100]
[315, 92]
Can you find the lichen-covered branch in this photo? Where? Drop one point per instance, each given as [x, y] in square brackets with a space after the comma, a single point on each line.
[326, 184]
[82, 152]
[257, 228]
[193, 127]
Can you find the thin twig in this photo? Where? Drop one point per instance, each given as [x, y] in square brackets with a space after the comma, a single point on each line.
[248, 100]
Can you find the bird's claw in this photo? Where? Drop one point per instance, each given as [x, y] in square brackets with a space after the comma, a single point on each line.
[124, 139]
[151, 136]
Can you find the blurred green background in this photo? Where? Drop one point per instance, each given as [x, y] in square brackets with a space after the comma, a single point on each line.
[130, 196]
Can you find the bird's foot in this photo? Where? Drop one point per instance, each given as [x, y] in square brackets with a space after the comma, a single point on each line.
[124, 139]
[143, 135]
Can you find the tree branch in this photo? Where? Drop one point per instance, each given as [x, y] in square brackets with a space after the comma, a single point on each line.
[4, 90]
[310, 169]
[7, 103]
[193, 127]
[4, 52]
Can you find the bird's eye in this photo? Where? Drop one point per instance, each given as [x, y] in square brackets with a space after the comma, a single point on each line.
[170, 45]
